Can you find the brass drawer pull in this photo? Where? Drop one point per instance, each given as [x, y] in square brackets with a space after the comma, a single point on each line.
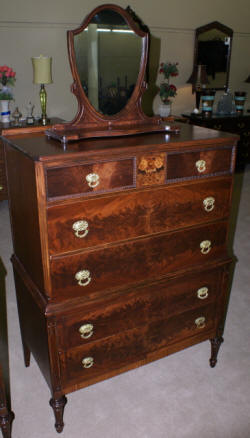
[205, 246]
[202, 293]
[83, 277]
[80, 228]
[200, 322]
[88, 362]
[208, 203]
[86, 331]
[1, 187]
[201, 166]
[93, 180]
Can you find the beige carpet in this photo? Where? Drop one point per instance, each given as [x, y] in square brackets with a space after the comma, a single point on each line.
[175, 397]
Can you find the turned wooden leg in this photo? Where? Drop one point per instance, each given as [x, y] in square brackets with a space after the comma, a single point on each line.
[215, 346]
[5, 424]
[58, 408]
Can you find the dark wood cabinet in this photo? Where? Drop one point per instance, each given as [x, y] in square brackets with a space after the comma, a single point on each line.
[236, 124]
[120, 250]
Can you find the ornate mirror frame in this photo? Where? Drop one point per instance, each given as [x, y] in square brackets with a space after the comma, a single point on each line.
[215, 25]
[88, 122]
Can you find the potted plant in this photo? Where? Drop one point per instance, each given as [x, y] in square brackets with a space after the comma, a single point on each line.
[166, 89]
[7, 80]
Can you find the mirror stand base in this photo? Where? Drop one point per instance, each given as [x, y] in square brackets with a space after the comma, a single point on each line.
[64, 135]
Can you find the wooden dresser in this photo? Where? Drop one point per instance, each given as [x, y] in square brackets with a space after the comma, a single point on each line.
[120, 250]
[10, 129]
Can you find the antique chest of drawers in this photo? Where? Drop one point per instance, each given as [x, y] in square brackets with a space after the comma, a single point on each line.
[121, 250]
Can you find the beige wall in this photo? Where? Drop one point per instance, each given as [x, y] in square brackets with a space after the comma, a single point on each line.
[29, 28]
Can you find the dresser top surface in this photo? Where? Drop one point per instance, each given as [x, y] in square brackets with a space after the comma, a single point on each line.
[39, 148]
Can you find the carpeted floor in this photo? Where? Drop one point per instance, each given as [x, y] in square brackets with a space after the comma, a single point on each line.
[175, 397]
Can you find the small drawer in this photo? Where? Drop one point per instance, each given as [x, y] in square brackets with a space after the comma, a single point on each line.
[99, 358]
[198, 164]
[92, 178]
[137, 307]
[136, 261]
[91, 222]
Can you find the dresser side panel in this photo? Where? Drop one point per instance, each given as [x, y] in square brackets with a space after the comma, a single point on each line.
[24, 213]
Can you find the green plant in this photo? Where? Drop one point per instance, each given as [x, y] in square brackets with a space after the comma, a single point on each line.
[7, 78]
[166, 89]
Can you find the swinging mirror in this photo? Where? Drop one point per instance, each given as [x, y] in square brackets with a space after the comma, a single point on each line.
[108, 56]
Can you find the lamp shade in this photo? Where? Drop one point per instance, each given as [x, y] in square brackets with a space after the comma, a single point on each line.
[42, 69]
[198, 76]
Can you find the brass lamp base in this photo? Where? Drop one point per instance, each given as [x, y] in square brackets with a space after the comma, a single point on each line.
[44, 120]
[43, 100]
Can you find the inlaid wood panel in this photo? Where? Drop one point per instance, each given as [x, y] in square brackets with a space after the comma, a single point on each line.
[136, 261]
[116, 218]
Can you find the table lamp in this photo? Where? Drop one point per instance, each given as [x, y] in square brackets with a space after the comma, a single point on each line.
[198, 79]
[42, 75]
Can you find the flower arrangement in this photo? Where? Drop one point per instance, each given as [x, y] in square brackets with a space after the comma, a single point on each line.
[168, 90]
[7, 78]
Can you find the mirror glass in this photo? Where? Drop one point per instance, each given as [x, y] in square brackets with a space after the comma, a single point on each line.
[108, 57]
[213, 49]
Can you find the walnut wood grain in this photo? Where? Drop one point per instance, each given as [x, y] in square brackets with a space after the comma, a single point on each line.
[184, 165]
[132, 262]
[113, 175]
[136, 214]
[139, 307]
[24, 213]
[132, 345]
[142, 250]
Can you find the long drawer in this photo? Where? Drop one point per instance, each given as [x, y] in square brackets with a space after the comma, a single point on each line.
[114, 218]
[139, 306]
[136, 261]
[97, 358]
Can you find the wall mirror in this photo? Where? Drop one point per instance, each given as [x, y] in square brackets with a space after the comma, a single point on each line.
[108, 56]
[213, 45]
